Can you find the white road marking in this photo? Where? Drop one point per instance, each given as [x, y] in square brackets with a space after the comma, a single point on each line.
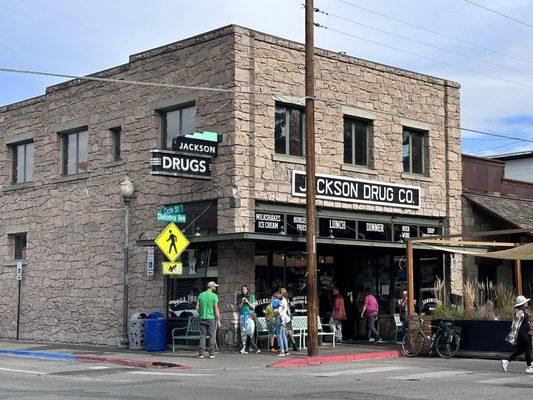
[166, 373]
[359, 371]
[428, 375]
[501, 381]
[23, 371]
[100, 379]
[99, 367]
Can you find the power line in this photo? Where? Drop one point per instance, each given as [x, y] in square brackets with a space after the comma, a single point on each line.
[426, 58]
[278, 96]
[499, 13]
[498, 147]
[435, 32]
[419, 41]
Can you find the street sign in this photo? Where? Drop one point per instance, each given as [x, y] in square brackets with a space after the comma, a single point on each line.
[173, 209]
[172, 268]
[19, 271]
[177, 218]
[150, 260]
[172, 242]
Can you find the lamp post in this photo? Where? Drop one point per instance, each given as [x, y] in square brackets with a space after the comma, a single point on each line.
[126, 190]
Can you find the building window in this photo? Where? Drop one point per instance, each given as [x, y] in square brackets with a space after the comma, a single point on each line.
[178, 122]
[22, 161]
[116, 134]
[413, 151]
[289, 131]
[75, 153]
[356, 141]
[19, 246]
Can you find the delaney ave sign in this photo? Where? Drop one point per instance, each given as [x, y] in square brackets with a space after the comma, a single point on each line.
[340, 188]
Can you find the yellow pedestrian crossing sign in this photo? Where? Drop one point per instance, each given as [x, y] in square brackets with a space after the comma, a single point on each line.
[172, 242]
[172, 268]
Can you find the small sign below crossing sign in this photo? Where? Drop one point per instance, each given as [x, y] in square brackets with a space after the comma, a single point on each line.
[172, 268]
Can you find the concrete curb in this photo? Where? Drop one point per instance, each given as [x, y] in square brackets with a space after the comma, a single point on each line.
[298, 362]
[39, 354]
[44, 355]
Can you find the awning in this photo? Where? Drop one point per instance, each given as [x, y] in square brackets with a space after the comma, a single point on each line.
[523, 252]
[516, 211]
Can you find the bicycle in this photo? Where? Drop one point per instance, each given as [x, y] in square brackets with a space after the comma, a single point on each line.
[445, 341]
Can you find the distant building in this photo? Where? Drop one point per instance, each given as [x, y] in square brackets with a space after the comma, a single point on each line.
[491, 201]
[518, 166]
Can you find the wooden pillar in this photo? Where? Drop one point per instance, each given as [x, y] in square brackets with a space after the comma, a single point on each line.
[410, 280]
[518, 276]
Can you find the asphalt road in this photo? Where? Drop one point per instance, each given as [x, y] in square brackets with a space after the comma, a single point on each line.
[423, 378]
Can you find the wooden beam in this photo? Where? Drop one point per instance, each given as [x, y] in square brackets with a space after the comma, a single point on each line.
[465, 243]
[518, 276]
[410, 280]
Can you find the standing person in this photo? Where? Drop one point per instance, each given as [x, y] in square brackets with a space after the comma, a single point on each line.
[519, 334]
[270, 315]
[370, 312]
[247, 304]
[290, 331]
[338, 314]
[249, 329]
[281, 322]
[207, 307]
[403, 312]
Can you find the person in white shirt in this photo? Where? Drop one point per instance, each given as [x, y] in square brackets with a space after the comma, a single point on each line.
[281, 323]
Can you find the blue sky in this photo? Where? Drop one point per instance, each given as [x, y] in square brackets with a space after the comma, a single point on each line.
[81, 37]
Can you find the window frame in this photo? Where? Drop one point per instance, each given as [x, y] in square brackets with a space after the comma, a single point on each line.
[163, 121]
[14, 161]
[289, 107]
[64, 151]
[19, 236]
[423, 134]
[116, 132]
[369, 130]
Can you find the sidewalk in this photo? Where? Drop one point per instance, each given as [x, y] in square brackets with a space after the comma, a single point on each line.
[186, 359]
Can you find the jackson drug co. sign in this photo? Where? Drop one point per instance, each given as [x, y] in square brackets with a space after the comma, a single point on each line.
[340, 188]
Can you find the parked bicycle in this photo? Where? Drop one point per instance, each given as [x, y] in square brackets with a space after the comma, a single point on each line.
[445, 341]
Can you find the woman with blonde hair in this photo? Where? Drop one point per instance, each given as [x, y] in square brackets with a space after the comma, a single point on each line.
[281, 323]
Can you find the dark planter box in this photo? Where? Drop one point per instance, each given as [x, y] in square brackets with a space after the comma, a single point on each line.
[483, 335]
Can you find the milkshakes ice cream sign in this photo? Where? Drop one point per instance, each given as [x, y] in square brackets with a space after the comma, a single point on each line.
[340, 188]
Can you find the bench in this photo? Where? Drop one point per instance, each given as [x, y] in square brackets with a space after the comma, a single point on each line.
[299, 325]
[192, 332]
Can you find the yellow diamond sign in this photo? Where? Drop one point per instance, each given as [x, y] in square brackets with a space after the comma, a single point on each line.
[172, 242]
[172, 268]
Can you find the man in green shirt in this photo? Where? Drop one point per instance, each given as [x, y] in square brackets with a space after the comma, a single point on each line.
[207, 307]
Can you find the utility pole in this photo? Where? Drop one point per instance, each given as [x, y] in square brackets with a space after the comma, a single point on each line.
[312, 295]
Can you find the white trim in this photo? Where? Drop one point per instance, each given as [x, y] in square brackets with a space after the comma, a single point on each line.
[345, 200]
[357, 112]
[415, 124]
[297, 101]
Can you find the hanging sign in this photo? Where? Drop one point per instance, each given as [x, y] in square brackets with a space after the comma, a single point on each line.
[267, 222]
[341, 188]
[171, 163]
[204, 143]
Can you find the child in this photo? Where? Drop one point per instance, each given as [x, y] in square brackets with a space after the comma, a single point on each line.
[249, 329]
[270, 315]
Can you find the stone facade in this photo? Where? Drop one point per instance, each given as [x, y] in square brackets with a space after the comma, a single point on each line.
[72, 285]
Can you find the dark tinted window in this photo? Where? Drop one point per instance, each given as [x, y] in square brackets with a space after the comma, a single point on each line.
[356, 141]
[289, 130]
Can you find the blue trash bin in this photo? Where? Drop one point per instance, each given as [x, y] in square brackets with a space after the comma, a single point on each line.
[155, 332]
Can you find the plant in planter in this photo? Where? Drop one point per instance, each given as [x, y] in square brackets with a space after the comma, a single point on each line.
[449, 312]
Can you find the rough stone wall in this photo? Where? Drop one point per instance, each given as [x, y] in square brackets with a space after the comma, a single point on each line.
[72, 287]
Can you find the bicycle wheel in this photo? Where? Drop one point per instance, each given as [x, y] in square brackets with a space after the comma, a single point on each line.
[448, 348]
[413, 343]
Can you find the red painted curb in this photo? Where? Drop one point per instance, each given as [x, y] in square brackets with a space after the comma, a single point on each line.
[128, 362]
[298, 362]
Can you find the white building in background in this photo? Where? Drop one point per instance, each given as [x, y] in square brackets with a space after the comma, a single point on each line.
[518, 166]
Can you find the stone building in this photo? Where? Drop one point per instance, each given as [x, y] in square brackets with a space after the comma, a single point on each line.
[388, 169]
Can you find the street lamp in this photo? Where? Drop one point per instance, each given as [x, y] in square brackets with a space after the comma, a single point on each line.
[126, 190]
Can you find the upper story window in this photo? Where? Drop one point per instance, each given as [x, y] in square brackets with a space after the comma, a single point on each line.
[22, 162]
[74, 153]
[413, 151]
[289, 130]
[19, 246]
[356, 141]
[116, 140]
[178, 122]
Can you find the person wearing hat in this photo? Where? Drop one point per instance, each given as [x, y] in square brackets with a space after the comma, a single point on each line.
[207, 307]
[519, 334]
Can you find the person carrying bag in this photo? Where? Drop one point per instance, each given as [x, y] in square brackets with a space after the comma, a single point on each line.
[519, 335]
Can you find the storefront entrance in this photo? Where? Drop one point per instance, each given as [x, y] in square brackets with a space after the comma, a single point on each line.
[352, 269]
